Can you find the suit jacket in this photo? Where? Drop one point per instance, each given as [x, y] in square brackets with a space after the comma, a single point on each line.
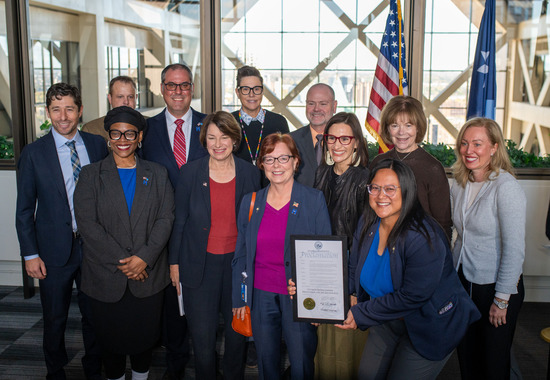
[427, 295]
[156, 143]
[490, 243]
[192, 226]
[307, 215]
[308, 166]
[46, 228]
[96, 127]
[110, 234]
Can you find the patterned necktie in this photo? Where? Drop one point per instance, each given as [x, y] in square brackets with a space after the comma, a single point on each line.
[75, 161]
[319, 148]
[180, 152]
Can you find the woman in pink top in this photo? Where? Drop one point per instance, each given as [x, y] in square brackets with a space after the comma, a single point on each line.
[262, 265]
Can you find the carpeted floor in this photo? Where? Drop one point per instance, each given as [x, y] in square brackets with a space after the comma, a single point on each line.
[21, 355]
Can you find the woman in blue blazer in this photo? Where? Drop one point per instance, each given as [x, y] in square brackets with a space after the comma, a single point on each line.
[408, 292]
[203, 240]
[262, 266]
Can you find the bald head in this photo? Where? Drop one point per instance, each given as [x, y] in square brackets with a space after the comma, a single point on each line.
[320, 106]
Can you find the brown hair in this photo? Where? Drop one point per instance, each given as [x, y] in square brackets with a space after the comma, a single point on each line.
[122, 79]
[268, 146]
[408, 106]
[248, 71]
[499, 160]
[226, 123]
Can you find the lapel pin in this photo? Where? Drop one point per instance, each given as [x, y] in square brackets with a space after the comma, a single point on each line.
[198, 127]
[145, 181]
[204, 184]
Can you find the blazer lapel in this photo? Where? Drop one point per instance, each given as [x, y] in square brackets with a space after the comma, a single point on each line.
[144, 178]
[204, 184]
[50, 155]
[239, 185]
[309, 151]
[110, 181]
[293, 213]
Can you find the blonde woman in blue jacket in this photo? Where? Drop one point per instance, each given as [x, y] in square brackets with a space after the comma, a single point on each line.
[489, 211]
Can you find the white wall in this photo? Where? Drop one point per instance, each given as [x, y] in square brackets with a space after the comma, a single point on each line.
[10, 260]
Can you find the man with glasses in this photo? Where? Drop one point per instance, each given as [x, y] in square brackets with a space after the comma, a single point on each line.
[122, 92]
[320, 107]
[172, 140]
[256, 123]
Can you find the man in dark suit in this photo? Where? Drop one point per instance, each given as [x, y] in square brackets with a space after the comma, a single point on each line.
[122, 92]
[172, 139]
[46, 226]
[320, 107]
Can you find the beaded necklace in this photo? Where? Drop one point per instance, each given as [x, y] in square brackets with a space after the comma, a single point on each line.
[255, 157]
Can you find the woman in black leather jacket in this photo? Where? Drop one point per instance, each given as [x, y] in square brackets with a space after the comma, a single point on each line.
[343, 178]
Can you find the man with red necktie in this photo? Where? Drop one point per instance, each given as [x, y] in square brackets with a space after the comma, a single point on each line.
[172, 139]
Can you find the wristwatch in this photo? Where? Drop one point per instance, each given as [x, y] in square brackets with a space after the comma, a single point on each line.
[500, 304]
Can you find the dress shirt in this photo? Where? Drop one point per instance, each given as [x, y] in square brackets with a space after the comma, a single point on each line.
[247, 119]
[186, 128]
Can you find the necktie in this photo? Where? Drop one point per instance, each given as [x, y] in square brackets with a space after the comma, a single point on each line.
[180, 152]
[75, 161]
[319, 148]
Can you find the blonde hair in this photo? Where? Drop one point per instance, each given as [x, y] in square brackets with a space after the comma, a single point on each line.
[499, 160]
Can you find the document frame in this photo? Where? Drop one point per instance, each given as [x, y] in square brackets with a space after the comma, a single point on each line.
[320, 272]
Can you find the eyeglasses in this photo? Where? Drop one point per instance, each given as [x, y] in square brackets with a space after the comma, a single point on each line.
[344, 140]
[282, 159]
[129, 135]
[389, 190]
[184, 86]
[245, 90]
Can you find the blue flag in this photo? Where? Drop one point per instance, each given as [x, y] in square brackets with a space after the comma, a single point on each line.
[483, 88]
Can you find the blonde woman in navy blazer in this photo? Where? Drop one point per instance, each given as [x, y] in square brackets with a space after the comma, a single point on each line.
[202, 267]
[489, 213]
[271, 310]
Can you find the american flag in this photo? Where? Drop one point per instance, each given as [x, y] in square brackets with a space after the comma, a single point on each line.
[390, 78]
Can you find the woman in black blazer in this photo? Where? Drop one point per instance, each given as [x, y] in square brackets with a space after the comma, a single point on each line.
[202, 245]
[124, 208]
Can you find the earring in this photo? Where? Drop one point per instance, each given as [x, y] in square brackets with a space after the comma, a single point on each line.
[328, 158]
[109, 143]
[139, 145]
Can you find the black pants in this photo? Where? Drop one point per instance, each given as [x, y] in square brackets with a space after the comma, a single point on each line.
[484, 352]
[115, 364]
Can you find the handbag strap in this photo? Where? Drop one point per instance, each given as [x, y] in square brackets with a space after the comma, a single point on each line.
[252, 201]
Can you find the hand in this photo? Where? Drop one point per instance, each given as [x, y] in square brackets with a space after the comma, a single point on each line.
[239, 312]
[132, 266]
[349, 323]
[291, 288]
[36, 268]
[175, 277]
[142, 276]
[352, 301]
[497, 317]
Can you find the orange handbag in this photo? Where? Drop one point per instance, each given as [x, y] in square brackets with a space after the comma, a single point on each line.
[244, 326]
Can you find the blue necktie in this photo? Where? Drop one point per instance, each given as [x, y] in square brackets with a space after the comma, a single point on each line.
[75, 161]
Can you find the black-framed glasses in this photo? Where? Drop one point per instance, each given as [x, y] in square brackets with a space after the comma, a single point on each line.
[184, 86]
[389, 190]
[245, 90]
[283, 159]
[344, 140]
[129, 135]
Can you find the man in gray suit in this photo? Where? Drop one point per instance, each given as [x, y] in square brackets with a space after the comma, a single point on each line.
[320, 107]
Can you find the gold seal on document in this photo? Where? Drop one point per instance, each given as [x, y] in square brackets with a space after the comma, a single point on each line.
[309, 303]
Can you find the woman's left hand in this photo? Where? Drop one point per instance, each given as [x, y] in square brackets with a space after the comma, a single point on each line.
[132, 266]
[497, 317]
[291, 288]
[349, 323]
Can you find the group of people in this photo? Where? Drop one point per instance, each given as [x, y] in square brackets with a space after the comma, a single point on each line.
[182, 217]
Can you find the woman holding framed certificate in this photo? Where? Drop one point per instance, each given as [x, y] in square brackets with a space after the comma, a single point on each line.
[262, 263]
[408, 293]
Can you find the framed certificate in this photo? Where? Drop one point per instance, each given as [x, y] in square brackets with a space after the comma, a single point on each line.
[320, 271]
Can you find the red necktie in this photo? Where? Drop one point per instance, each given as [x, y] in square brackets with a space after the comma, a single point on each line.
[180, 152]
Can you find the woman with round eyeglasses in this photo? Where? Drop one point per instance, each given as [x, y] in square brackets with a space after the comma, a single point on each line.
[124, 207]
[342, 176]
[262, 265]
[408, 293]
[489, 213]
[256, 123]
[403, 124]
